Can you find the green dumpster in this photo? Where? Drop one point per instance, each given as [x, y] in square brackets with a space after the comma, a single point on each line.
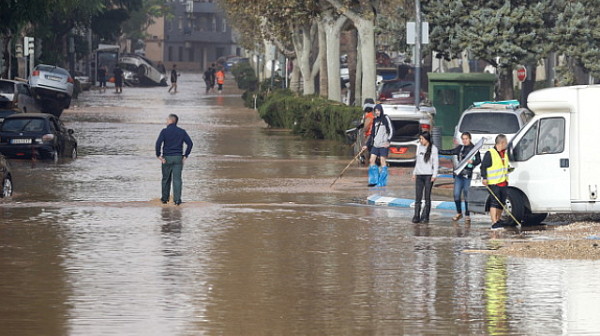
[452, 93]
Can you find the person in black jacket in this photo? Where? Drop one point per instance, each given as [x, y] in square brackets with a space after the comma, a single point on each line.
[462, 181]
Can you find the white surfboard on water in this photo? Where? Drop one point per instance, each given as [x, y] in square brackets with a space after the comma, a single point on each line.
[462, 164]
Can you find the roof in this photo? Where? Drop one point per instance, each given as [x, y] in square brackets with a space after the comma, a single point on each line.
[557, 99]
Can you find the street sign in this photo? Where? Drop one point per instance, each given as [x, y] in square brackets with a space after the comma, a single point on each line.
[411, 31]
[522, 74]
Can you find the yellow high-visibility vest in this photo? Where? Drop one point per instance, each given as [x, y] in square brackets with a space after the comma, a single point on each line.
[498, 171]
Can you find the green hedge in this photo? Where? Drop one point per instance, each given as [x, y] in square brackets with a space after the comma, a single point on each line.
[245, 76]
[309, 116]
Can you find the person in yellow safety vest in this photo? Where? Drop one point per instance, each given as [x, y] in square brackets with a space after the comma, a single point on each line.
[494, 172]
[220, 79]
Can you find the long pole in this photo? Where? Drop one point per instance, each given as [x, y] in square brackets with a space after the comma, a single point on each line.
[348, 166]
[418, 40]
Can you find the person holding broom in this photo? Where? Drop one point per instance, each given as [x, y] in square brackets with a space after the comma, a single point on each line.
[494, 172]
[382, 131]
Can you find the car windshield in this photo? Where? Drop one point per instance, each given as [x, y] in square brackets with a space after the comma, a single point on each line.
[23, 125]
[53, 69]
[397, 86]
[405, 130]
[490, 123]
[7, 87]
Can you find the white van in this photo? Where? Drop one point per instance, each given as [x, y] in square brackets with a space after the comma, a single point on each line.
[555, 156]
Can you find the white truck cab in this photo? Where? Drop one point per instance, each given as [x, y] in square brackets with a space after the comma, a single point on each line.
[555, 157]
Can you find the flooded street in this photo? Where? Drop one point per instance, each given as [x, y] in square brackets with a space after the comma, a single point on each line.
[261, 245]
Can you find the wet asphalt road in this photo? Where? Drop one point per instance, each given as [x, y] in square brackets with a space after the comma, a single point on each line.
[262, 246]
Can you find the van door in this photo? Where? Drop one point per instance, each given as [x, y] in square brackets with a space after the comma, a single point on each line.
[541, 161]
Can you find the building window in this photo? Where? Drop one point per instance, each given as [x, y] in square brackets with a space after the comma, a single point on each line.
[220, 52]
[169, 25]
[170, 56]
[213, 27]
[181, 23]
[224, 25]
[180, 54]
[191, 56]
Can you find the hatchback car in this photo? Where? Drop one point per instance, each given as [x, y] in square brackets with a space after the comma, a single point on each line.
[17, 96]
[488, 119]
[6, 184]
[53, 86]
[36, 135]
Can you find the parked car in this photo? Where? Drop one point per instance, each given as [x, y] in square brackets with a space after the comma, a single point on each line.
[555, 157]
[398, 92]
[6, 113]
[16, 95]
[408, 123]
[6, 183]
[53, 86]
[488, 119]
[233, 61]
[84, 81]
[36, 135]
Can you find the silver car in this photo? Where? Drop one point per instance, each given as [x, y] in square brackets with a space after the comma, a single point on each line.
[53, 86]
[17, 96]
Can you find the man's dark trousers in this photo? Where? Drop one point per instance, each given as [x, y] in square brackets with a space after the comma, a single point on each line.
[171, 170]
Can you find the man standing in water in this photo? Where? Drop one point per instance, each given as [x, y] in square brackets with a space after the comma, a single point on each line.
[174, 76]
[169, 150]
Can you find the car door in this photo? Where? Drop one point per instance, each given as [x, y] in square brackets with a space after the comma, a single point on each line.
[542, 166]
[60, 136]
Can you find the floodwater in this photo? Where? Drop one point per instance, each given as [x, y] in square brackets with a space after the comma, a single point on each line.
[262, 246]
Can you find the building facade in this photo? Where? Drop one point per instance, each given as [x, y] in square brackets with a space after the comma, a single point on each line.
[195, 35]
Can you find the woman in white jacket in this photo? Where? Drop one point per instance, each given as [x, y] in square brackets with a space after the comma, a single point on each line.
[382, 131]
[424, 174]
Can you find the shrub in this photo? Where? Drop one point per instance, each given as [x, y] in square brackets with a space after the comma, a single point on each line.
[309, 116]
[245, 76]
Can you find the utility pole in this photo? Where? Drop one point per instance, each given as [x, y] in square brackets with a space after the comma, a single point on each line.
[418, 41]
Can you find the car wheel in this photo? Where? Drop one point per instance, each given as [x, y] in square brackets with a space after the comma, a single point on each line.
[74, 153]
[515, 203]
[7, 187]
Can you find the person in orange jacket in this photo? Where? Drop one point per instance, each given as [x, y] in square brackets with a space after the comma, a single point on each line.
[220, 79]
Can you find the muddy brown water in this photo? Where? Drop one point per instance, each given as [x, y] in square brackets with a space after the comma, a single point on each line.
[262, 246]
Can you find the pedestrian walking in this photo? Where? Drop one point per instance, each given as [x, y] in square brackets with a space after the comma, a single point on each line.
[207, 79]
[494, 172]
[118, 74]
[220, 76]
[169, 150]
[102, 71]
[462, 180]
[424, 174]
[213, 76]
[382, 132]
[174, 76]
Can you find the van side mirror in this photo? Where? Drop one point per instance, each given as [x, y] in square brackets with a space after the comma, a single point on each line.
[509, 150]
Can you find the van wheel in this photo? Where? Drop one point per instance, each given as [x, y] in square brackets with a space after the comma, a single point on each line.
[515, 203]
[534, 219]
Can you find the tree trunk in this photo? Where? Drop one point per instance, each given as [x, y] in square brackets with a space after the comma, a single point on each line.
[506, 84]
[295, 78]
[353, 41]
[528, 84]
[303, 38]
[323, 73]
[359, 73]
[366, 32]
[333, 29]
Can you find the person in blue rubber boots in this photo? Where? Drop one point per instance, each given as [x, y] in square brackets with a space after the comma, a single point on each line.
[424, 174]
[382, 131]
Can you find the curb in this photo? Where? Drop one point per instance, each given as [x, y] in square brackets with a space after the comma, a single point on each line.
[407, 203]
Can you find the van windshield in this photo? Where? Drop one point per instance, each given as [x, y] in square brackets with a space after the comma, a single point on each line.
[406, 130]
[490, 123]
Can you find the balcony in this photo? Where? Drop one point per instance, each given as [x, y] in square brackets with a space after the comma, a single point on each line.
[202, 7]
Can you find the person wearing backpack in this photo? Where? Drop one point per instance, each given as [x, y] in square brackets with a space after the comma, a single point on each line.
[424, 174]
[380, 138]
